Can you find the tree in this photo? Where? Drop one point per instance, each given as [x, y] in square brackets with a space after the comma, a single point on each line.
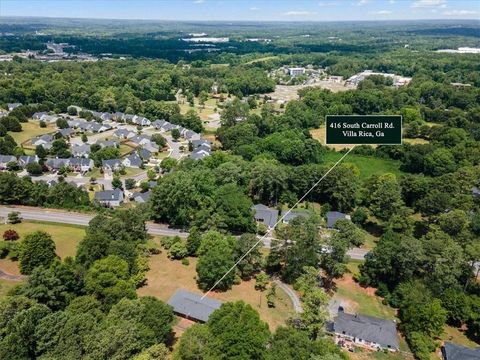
[215, 259]
[129, 183]
[159, 140]
[117, 183]
[227, 323]
[10, 235]
[62, 123]
[193, 344]
[14, 217]
[109, 280]
[84, 138]
[178, 251]
[168, 164]
[194, 240]
[34, 169]
[175, 134]
[261, 282]
[41, 152]
[154, 352]
[252, 263]
[36, 249]
[315, 313]
[384, 195]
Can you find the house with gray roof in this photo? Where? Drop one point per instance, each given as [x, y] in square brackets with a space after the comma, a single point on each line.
[81, 150]
[98, 128]
[201, 142]
[80, 164]
[5, 159]
[24, 160]
[151, 147]
[199, 153]
[57, 163]
[112, 164]
[142, 121]
[123, 133]
[44, 140]
[133, 161]
[140, 197]
[107, 143]
[66, 132]
[158, 124]
[12, 106]
[451, 351]
[109, 198]
[166, 126]
[294, 214]
[142, 139]
[191, 306]
[367, 331]
[144, 154]
[266, 216]
[334, 216]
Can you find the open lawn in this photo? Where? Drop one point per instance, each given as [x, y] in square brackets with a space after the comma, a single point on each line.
[165, 276]
[29, 130]
[367, 165]
[379, 355]
[361, 300]
[457, 336]
[6, 285]
[66, 237]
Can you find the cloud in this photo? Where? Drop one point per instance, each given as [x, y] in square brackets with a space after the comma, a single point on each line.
[254, 8]
[199, 1]
[299, 13]
[460, 12]
[382, 12]
[327, 3]
[429, 3]
[392, 2]
[362, 2]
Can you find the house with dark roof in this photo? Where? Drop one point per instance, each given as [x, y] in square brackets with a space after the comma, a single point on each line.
[109, 198]
[12, 106]
[366, 331]
[158, 124]
[5, 159]
[123, 133]
[111, 164]
[80, 164]
[191, 306]
[133, 161]
[266, 216]
[334, 216]
[451, 351]
[66, 132]
[107, 143]
[140, 197]
[201, 142]
[44, 140]
[57, 163]
[144, 154]
[24, 160]
[294, 214]
[81, 150]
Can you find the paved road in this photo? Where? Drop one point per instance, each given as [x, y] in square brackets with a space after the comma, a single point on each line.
[74, 218]
[297, 305]
[67, 217]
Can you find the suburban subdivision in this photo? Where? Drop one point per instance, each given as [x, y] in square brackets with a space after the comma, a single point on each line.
[203, 180]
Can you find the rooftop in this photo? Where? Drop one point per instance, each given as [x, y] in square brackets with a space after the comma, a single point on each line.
[192, 306]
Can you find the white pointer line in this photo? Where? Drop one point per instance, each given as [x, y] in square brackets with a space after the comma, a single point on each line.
[279, 220]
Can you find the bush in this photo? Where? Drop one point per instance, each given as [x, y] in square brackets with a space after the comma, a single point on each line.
[10, 235]
[261, 229]
[178, 251]
[43, 124]
[34, 169]
[168, 241]
[14, 217]
[185, 261]
[421, 345]
[4, 249]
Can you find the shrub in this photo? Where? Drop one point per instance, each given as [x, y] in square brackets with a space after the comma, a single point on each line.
[10, 235]
[178, 251]
[14, 217]
[185, 261]
[168, 241]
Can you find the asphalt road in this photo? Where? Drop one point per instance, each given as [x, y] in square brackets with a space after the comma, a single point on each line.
[75, 218]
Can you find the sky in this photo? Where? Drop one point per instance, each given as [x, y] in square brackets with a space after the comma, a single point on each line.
[242, 10]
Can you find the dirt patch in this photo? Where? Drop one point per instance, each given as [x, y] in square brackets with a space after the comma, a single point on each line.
[10, 267]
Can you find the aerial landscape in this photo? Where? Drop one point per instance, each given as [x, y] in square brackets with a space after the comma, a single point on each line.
[204, 179]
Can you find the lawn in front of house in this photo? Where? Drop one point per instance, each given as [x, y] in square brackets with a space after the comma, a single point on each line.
[165, 276]
[30, 130]
[361, 300]
[66, 238]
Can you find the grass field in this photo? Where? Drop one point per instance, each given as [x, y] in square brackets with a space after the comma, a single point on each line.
[361, 300]
[66, 239]
[367, 165]
[5, 286]
[457, 336]
[379, 355]
[29, 130]
[165, 276]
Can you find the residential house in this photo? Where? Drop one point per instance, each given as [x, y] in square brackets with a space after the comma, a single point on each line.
[201, 142]
[38, 115]
[66, 132]
[44, 140]
[158, 124]
[141, 197]
[81, 150]
[266, 216]
[144, 154]
[191, 135]
[200, 153]
[98, 128]
[24, 160]
[57, 163]
[109, 198]
[43, 116]
[12, 106]
[451, 351]
[294, 214]
[112, 164]
[82, 165]
[166, 127]
[51, 182]
[142, 139]
[142, 121]
[107, 143]
[151, 147]
[133, 160]
[193, 306]
[5, 159]
[334, 216]
[123, 133]
[366, 331]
